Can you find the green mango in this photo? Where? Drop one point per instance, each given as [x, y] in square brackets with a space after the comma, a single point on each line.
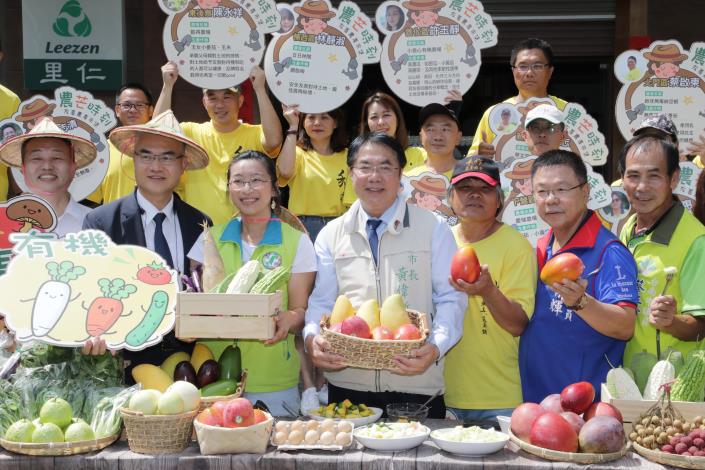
[230, 363]
[641, 366]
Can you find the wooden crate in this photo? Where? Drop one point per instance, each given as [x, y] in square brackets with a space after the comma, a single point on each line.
[632, 409]
[227, 316]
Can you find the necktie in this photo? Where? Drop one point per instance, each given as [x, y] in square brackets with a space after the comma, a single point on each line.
[372, 225]
[160, 244]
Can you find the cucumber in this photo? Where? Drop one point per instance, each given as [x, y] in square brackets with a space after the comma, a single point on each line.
[230, 363]
[219, 388]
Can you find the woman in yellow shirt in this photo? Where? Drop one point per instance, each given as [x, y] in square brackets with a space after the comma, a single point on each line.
[313, 162]
[381, 113]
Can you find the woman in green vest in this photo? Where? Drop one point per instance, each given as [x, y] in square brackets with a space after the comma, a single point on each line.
[258, 232]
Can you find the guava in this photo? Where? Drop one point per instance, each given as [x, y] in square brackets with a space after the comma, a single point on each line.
[170, 403]
[56, 411]
[48, 432]
[79, 431]
[20, 431]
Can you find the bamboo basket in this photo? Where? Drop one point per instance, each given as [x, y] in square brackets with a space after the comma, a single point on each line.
[208, 401]
[58, 448]
[370, 353]
[674, 460]
[572, 457]
[158, 434]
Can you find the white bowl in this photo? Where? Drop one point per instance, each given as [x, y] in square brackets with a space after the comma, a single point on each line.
[377, 412]
[504, 423]
[468, 449]
[392, 445]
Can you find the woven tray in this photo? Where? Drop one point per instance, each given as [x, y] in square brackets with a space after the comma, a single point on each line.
[248, 440]
[370, 353]
[573, 457]
[158, 434]
[664, 458]
[208, 401]
[58, 448]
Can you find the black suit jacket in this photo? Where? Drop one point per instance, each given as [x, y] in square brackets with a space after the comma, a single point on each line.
[121, 220]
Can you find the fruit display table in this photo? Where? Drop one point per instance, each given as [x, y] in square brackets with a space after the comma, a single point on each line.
[426, 456]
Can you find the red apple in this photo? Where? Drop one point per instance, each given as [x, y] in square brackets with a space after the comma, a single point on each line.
[552, 403]
[208, 417]
[407, 331]
[577, 397]
[523, 418]
[603, 409]
[336, 327]
[563, 266]
[260, 416]
[552, 431]
[238, 413]
[218, 410]
[382, 332]
[574, 420]
[465, 265]
[355, 326]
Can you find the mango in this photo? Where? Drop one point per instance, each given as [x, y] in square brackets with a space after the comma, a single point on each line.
[200, 354]
[393, 312]
[341, 310]
[151, 376]
[170, 362]
[369, 311]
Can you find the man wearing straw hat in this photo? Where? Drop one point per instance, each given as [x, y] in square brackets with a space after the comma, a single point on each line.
[48, 159]
[154, 216]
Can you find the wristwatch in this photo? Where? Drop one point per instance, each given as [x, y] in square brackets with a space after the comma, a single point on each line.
[580, 304]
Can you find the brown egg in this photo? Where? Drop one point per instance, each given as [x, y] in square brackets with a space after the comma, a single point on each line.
[328, 425]
[280, 437]
[282, 426]
[326, 438]
[311, 437]
[311, 425]
[296, 425]
[342, 438]
[295, 437]
[345, 426]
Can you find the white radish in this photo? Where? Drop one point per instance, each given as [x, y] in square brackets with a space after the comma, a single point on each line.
[49, 305]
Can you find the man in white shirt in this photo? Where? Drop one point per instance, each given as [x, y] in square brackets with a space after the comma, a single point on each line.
[363, 255]
[48, 159]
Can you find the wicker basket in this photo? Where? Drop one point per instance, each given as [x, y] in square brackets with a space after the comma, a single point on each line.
[572, 457]
[58, 448]
[249, 440]
[674, 460]
[370, 353]
[157, 434]
[208, 401]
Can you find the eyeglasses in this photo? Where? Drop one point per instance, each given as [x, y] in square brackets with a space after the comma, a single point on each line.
[136, 106]
[523, 68]
[166, 159]
[368, 170]
[560, 193]
[255, 183]
[550, 129]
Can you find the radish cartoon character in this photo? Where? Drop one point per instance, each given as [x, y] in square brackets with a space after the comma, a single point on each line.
[53, 296]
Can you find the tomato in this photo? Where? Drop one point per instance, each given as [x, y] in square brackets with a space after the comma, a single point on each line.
[563, 266]
[155, 274]
[465, 265]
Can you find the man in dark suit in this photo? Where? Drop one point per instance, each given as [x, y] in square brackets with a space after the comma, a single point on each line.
[154, 216]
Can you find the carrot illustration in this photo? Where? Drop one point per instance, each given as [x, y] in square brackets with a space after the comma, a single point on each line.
[53, 296]
[105, 311]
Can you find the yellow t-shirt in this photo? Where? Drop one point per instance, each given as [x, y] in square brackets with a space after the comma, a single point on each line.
[416, 171]
[484, 124]
[9, 102]
[207, 189]
[318, 184]
[119, 179]
[482, 369]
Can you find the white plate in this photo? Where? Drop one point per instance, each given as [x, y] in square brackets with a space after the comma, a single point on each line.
[392, 445]
[468, 449]
[377, 412]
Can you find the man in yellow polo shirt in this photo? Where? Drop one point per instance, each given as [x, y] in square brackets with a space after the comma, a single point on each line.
[662, 234]
[9, 102]
[532, 67]
[223, 137]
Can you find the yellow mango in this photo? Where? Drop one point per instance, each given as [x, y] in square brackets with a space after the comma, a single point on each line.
[200, 354]
[151, 377]
[341, 310]
[170, 362]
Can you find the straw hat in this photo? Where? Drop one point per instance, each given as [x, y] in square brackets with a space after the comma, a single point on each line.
[314, 9]
[665, 53]
[521, 171]
[83, 150]
[35, 109]
[165, 125]
[431, 185]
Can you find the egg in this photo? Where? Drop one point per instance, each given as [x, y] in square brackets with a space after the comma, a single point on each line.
[345, 426]
[280, 437]
[282, 426]
[326, 438]
[342, 438]
[311, 437]
[296, 425]
[295, 437]
[328, 425]
[311, 425]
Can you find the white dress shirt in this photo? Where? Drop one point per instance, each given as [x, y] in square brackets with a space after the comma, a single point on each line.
[170, 227]
[71, 220]
[450, 304]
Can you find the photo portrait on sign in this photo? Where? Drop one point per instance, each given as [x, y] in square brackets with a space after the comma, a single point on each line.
[504, 119]
[390, 17]
[618, 208]
[8, 130]
[287, 18]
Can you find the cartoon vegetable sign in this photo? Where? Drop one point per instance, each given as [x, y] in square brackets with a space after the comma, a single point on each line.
[149, 324]
[154, 274]
[53, 296]
[105, 311]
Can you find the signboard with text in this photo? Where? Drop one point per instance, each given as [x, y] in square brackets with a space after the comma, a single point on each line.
[72, 43]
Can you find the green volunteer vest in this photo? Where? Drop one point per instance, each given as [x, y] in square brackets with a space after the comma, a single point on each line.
[666, 246]
[275, 367]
